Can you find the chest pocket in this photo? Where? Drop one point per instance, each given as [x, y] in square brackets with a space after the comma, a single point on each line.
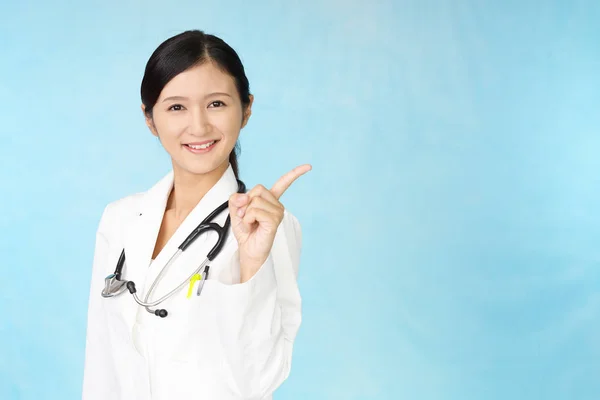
[186, 333]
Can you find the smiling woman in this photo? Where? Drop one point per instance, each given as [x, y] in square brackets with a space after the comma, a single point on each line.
[194, 83]
[233, 328]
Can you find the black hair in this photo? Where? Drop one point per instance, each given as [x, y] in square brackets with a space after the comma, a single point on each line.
[184, 51]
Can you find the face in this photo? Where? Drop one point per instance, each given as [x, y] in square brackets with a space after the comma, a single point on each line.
[198, 118]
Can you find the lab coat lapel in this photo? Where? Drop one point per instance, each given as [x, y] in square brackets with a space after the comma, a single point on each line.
[141, 238]
[196, 253]
[142, 235]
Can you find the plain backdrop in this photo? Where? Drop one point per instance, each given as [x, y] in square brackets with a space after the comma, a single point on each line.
[451, 227]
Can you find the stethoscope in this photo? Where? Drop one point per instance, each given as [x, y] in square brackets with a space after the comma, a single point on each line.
[114, 286]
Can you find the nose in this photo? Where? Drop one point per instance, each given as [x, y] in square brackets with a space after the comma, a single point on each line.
[200, 123]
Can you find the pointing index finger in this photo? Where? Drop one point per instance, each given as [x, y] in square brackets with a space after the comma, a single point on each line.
[286, 180]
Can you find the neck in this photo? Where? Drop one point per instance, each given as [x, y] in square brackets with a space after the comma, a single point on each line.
[189, 189]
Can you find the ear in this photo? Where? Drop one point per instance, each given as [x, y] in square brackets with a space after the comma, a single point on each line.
[149, 121]
[248, 111]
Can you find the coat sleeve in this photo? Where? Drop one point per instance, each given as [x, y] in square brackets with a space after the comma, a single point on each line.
[258, 320]
[98, 382]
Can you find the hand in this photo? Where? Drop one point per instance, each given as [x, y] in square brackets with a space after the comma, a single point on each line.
[255, 217]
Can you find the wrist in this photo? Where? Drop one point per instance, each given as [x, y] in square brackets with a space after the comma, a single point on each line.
[249, 267]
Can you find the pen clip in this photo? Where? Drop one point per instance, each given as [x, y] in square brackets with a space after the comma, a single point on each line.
[204, 278]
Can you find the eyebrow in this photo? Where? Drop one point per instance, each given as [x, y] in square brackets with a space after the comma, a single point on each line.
[185, 98]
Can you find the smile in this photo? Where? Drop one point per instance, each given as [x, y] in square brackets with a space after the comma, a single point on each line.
[200, 147]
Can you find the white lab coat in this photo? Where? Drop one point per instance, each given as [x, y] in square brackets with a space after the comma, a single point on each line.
[234, 341]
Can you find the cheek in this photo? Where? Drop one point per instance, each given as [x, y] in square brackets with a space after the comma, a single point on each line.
[231, 132]
[169, 127]
[230, 126]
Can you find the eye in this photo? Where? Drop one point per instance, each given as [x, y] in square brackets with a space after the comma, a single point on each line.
[176, 107]
[216, 104]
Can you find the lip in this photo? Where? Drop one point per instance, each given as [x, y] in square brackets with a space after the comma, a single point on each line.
[201, 143]
[200, 151]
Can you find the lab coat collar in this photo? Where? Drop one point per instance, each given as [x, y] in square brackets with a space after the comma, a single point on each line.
[143, 233]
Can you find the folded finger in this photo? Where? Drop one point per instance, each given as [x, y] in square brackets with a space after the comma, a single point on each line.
[237, 202]
[266, 205]
[261, 191]
[258, 215]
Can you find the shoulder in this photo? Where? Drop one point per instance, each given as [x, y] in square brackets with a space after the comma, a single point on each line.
[287, 245]
[289, 234]
[290, 224]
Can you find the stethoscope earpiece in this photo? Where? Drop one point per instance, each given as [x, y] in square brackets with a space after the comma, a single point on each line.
[131, 287]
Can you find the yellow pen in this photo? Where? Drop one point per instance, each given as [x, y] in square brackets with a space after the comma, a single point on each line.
[193, 280]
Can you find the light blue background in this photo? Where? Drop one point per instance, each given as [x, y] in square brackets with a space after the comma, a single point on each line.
[451, 224]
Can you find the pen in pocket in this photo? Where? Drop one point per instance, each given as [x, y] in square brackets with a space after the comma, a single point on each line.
[204, 278]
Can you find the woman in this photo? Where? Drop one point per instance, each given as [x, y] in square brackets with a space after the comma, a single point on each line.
[228, 335]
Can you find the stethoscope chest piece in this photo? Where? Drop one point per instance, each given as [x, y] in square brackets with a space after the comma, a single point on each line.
[113, 286]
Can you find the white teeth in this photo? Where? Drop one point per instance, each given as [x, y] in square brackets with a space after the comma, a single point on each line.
[201, 147]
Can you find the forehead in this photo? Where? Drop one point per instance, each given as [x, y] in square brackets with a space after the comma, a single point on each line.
[200, 81]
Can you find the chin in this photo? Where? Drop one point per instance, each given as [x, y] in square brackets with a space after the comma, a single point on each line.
[203, 168]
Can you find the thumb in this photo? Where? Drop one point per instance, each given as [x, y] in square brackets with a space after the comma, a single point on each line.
[237, 208]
